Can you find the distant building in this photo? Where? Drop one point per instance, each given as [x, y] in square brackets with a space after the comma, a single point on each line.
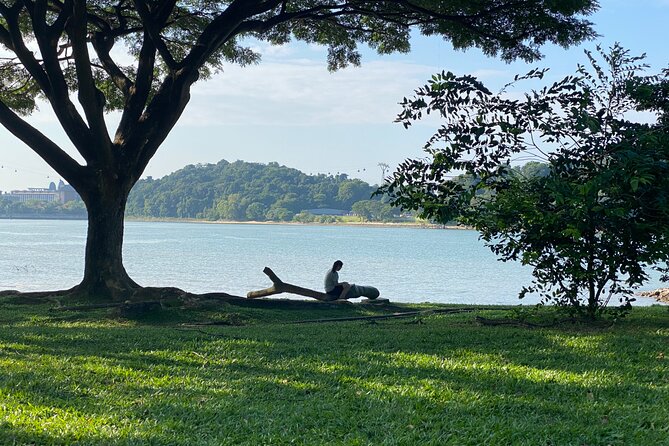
[61, 194]
[67, 192]
[33, 193]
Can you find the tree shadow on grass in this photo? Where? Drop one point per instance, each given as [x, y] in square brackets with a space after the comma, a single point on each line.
[346, 383]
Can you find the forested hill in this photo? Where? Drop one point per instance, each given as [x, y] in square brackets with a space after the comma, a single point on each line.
[243, 191]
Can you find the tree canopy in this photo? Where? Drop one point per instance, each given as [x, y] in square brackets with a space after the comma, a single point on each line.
[593, 223]
[53, 48]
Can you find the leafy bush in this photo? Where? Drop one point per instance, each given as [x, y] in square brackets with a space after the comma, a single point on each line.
[594, 222]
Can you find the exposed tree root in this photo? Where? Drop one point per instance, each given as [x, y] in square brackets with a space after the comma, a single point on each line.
[128, 296]
[34, 296]
[147, 299]
[138, 294]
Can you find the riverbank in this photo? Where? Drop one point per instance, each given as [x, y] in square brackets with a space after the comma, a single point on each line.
[260, 377]
[417, 224]
[43, 217]
[407, 224]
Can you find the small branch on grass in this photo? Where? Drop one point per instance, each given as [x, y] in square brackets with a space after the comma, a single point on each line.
[86, 307]
[337, 319]
[519, 323]
[392, 315]
[357, 318]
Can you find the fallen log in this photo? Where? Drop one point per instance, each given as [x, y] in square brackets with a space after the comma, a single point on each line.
[279, 286]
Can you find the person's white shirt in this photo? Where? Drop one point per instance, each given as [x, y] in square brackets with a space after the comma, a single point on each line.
[331, 280]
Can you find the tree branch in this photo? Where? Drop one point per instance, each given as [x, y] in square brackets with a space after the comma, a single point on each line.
[102, 44]
[91, 99]
[16, 43]
[5, 37]
[139, 92]
[160, 116]
[41, 145]
[58, 26]
[152, 26]
[57, 93]
[224, 27]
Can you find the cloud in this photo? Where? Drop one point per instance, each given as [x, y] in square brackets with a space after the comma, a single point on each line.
[486, 74]
[299, 92]
[267, 50]
[303, 92]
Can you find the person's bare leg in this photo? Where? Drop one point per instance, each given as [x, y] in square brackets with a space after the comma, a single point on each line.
[344, 291]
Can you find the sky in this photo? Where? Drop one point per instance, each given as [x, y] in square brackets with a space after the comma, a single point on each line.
[291, 110]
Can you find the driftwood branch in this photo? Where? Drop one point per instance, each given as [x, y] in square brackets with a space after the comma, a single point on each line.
[280, 286]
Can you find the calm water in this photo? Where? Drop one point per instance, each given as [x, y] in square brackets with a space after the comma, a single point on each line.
[406, 264]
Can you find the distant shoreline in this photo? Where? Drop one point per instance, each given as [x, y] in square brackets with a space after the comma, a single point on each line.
[247, 222]
[43, 217]
[294, 223]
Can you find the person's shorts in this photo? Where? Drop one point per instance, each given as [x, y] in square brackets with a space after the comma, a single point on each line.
[336, 291]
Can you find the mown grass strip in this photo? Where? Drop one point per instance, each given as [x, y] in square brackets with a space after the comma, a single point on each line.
[439, 379]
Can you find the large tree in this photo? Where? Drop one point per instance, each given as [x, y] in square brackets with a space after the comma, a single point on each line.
[57, 47]
[596, 220]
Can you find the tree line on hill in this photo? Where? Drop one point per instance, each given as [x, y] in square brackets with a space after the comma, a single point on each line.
[74, 209]
[243, 191]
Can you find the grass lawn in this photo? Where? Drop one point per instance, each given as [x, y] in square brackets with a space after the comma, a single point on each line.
[437, 379]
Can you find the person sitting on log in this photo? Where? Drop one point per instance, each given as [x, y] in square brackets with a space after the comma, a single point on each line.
[332, 285]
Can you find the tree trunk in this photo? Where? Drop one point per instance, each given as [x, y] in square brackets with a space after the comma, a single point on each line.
[105, 277]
